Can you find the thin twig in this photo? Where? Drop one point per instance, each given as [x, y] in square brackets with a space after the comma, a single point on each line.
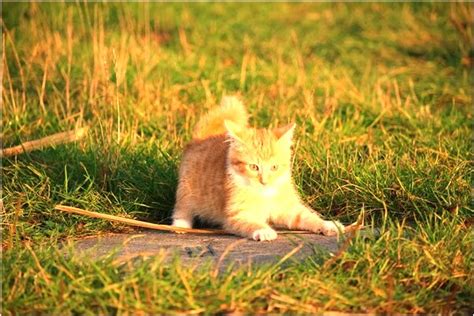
[133, 222]
[55, 139]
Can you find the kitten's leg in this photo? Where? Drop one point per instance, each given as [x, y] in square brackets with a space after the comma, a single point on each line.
[182, 218]
[304, 218]
[183, 208]
[183, 223]
[182, 213]
[254, 230]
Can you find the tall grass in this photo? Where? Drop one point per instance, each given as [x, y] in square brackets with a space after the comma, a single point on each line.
[382, 97]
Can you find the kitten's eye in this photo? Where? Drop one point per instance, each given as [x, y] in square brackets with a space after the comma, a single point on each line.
[274, 168]
[253, 167]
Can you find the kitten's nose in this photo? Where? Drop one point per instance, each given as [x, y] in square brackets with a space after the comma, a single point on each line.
[262, 179]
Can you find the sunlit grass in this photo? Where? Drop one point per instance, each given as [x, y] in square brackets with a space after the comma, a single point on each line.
[381, 94]
[405, 269]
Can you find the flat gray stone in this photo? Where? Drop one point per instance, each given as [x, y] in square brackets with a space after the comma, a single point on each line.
[197, 248]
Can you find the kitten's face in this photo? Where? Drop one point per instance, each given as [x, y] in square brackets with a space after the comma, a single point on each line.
[260, 157]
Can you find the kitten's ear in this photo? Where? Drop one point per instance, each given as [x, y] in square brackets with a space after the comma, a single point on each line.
[233, 129]
[285, 133]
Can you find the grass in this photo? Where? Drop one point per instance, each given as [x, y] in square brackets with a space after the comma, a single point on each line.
[382, 97]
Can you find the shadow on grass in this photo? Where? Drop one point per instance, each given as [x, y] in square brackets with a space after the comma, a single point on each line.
[139, 180]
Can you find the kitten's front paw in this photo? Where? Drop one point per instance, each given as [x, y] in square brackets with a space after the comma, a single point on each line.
[182, 223]
[331, 228]
[264, 234]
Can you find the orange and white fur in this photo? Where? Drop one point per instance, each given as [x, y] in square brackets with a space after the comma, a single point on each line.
[240, 177]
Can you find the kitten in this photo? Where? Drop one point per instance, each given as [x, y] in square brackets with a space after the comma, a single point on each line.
[240, 177]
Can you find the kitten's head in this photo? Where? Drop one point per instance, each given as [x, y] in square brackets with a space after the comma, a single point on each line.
[260, 157]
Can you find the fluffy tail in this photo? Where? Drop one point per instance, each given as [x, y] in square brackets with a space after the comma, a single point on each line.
[231, 109]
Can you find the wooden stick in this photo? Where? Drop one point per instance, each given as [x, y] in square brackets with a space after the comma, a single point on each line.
[133, 222]
[55, 139]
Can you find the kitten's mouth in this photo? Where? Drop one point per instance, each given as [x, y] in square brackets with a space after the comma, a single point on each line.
[258, 184]
[263, 181]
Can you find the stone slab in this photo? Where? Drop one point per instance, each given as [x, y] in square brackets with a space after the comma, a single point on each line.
[197, 249]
